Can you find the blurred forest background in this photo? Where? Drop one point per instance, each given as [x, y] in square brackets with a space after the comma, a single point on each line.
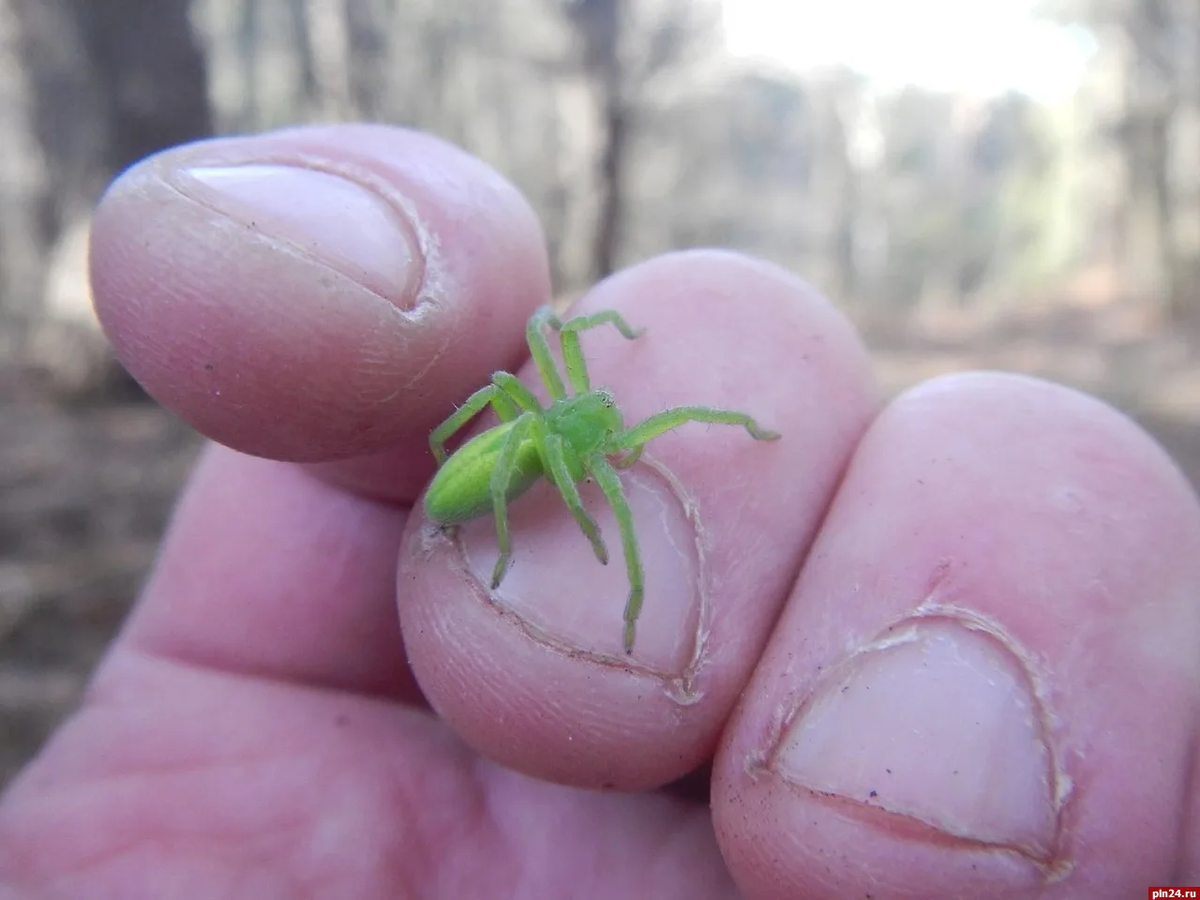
[1058, 236]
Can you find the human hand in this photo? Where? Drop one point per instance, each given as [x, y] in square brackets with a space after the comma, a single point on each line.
[948, 649]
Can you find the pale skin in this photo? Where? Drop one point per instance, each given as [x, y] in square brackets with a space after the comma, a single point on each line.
[567, 442]
[308, 700]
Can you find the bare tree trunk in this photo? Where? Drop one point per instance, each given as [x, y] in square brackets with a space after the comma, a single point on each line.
[67, 108]
[23, 179]
[367, 25]
[152, 72]
[1151, 104]
[1164, 207]
[842, 200]
[247, 41]
[1147, 209]
[308, 88]
[612, 182]
[599, 24]
[329, 46]
[110, 83]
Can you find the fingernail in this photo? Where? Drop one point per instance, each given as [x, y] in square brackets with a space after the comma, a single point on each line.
[327, 217]
[563, 594]
[938, 723]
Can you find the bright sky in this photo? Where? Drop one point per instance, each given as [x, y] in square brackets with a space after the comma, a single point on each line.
[980, 47]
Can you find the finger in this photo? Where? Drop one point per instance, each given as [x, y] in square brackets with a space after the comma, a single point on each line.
[986, 681]
[535, 673]
[292, 343]
[269, 572]
[317, 294]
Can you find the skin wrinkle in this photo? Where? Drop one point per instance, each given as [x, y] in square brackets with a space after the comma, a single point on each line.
[109, 856]
[435, 284]
[384, 342]
[913, 828]
[336, 540]
[188, 654]
[434, 359]
[375, 360]
[589, 709]
[491, 819]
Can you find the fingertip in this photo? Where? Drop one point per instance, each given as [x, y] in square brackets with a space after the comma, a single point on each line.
[316, 294]
[995, 626]
[538, 673]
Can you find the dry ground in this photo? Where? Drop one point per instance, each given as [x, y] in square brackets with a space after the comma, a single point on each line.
[85, 488]
[84, 495]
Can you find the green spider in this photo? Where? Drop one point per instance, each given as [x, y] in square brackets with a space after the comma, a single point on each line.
[568, 442]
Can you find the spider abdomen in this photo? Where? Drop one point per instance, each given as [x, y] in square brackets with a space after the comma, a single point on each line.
[462, 490]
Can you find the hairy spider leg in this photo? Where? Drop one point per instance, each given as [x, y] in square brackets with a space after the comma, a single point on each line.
[505, 408]
[517, 392]
[507, 395]
[539, 349]
[573, 360]
[610, 483]
[672, 418]
[554, 452]
[506, 463]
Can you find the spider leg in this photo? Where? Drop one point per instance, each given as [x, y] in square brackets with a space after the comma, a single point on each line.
[515, 391]
[610, 483]
[552, 450]
[504, 406]
[539, 349]
[572, 353]
[673, 418]
[505, 409]
[506, 463]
